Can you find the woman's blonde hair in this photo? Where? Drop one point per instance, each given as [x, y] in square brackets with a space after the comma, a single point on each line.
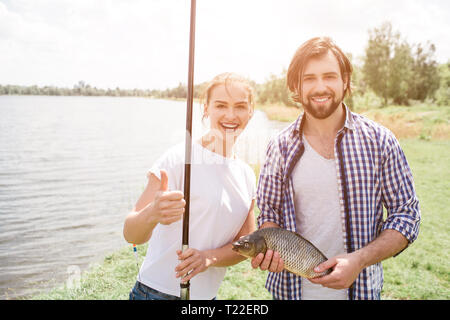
[227, 78]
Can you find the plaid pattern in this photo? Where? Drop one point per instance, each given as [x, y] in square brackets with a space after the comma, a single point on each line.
[372, 172]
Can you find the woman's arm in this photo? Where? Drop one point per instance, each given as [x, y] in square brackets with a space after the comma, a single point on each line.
[155, 205]
[195, 261]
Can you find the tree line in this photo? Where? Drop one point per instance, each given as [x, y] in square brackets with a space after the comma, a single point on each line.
[79, 89]
[392, 71]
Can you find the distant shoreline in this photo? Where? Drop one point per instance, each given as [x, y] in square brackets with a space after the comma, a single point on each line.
[274, 111]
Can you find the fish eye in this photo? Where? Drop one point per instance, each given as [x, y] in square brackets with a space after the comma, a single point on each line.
[245, 244]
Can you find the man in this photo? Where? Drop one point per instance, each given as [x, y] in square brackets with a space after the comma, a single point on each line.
[327, 176]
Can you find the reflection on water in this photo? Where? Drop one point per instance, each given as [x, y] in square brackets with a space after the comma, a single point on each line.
[70, 170]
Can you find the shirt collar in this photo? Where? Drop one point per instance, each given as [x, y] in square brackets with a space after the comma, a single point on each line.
[297, 128]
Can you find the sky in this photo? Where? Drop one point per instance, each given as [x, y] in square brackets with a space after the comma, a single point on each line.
[145, 43]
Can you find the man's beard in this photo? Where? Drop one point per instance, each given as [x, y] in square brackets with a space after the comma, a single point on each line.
[321, 112]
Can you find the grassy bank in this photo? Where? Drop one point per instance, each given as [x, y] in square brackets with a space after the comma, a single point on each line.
[426, 122]
[423, 270]
[420, 272]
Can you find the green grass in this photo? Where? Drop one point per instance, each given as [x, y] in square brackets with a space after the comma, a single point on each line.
[421, 272]
[110, 280]
[423, 121]
[426, 122]
[242, 282]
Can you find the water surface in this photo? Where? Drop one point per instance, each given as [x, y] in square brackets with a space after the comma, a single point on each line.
[70, 170]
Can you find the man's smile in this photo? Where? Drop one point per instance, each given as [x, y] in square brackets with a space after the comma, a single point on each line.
[321, 99]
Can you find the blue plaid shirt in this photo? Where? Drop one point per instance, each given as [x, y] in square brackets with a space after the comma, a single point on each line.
[372, 172]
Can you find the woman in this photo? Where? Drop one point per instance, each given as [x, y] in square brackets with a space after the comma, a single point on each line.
[221, 202]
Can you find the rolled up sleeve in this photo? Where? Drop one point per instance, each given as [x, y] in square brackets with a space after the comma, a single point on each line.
[398, 194]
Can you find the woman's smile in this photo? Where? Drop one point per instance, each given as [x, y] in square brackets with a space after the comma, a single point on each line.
[229, 126]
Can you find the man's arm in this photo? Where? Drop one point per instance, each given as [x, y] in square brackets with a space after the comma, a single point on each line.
[269, 199]
[269, 190]
[347, 267]
[398, 194]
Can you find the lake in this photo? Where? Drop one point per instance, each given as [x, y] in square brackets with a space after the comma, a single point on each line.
[71, 168]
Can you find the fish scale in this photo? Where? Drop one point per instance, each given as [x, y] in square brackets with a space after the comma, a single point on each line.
[299, 255]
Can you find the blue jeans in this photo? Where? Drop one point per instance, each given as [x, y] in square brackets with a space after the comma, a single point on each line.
[142, 292]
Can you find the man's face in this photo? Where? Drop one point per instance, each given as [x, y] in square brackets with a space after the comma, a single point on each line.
[322, 88]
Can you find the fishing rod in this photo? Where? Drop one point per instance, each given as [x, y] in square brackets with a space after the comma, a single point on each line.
[185, 287]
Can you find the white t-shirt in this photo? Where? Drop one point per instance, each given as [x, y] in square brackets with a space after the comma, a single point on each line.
[222, 190]
[318, 214]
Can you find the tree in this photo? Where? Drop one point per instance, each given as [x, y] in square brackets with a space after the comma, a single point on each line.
[179, 92]
[378, 55]
[396, 70]
[442, 95]
[400, 73]
[425, 81]
[274, 90]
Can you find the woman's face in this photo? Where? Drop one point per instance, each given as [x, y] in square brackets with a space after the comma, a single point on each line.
[229, 110]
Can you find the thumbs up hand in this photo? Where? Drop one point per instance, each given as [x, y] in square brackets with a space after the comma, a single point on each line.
[168, 206]
[164, 181]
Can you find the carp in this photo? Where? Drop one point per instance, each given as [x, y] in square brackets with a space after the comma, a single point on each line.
[299, 255]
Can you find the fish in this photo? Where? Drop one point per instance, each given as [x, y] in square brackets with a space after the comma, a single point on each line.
[299, 255]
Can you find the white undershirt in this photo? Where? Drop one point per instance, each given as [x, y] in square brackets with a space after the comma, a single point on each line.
[318, 215]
